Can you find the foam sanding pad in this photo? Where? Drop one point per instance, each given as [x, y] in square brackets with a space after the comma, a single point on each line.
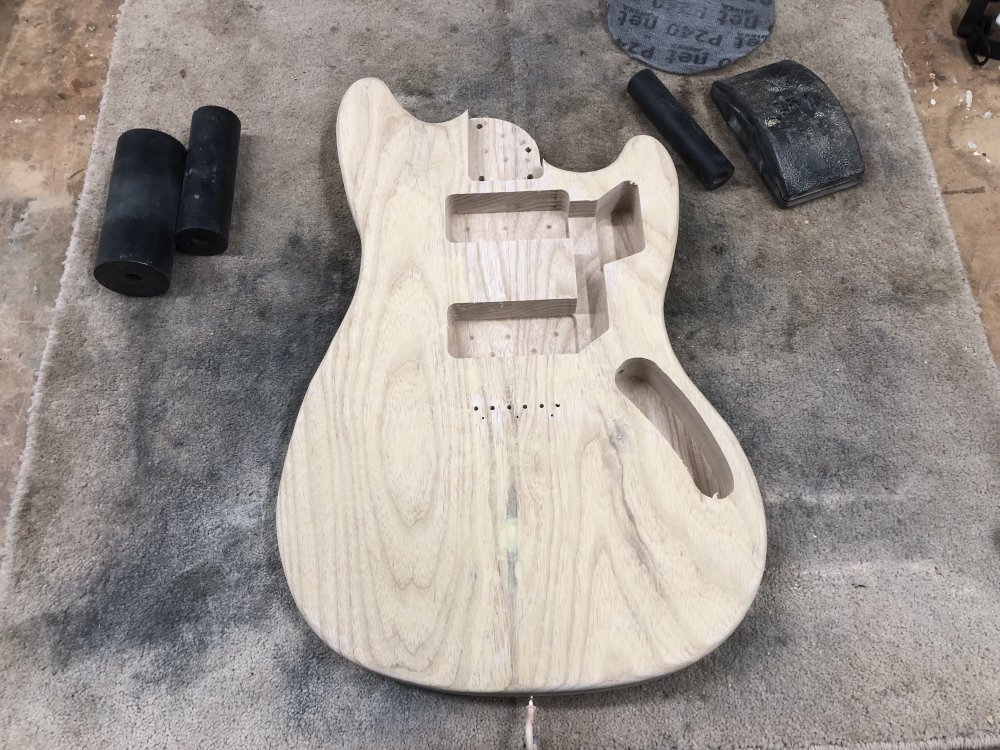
[793, 130]
[689, 36]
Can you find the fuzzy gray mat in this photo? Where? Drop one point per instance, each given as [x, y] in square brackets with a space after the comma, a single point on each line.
[143, 604]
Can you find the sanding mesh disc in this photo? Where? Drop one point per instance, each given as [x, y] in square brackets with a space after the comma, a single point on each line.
[689, 36]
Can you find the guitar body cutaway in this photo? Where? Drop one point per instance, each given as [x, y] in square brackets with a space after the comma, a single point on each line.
[500, 479]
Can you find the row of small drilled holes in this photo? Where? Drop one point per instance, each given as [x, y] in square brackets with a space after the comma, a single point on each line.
[533, 351]
[528, 149]
[509, 407]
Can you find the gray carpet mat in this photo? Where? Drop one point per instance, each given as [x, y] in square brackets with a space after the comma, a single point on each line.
[143, 603]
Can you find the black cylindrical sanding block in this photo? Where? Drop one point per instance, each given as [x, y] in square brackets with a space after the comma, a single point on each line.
[676, 125]
[136, 251]
[209, 182]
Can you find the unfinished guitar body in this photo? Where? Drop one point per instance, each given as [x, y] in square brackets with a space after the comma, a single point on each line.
[500, 479]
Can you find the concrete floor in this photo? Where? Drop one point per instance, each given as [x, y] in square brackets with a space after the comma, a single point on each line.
[53, 60]
[959, 106]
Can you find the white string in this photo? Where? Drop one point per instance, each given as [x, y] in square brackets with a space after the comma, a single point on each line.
[529, 729]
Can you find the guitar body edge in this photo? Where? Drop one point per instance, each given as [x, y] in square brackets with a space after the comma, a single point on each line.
[500, 480]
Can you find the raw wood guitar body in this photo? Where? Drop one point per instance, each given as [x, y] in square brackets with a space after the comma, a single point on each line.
[500, 479]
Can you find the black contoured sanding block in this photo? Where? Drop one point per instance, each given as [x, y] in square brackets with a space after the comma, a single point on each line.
[792, 129]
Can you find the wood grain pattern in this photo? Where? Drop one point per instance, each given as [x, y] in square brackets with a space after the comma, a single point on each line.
[500, 479]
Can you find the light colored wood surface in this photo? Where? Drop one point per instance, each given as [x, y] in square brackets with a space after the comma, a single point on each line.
[35, 35]
[500, 479]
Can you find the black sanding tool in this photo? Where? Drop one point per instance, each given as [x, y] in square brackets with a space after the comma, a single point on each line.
[206, 203]
[136, 252]
[689, 36]
[793, 130]
[680, 130]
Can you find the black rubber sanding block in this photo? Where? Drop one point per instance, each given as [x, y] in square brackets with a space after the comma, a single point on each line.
[680, 130]
[136, 253]
[206, 203]
[792, 129]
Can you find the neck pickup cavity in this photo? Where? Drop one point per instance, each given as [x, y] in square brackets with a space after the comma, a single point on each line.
[504, 217]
